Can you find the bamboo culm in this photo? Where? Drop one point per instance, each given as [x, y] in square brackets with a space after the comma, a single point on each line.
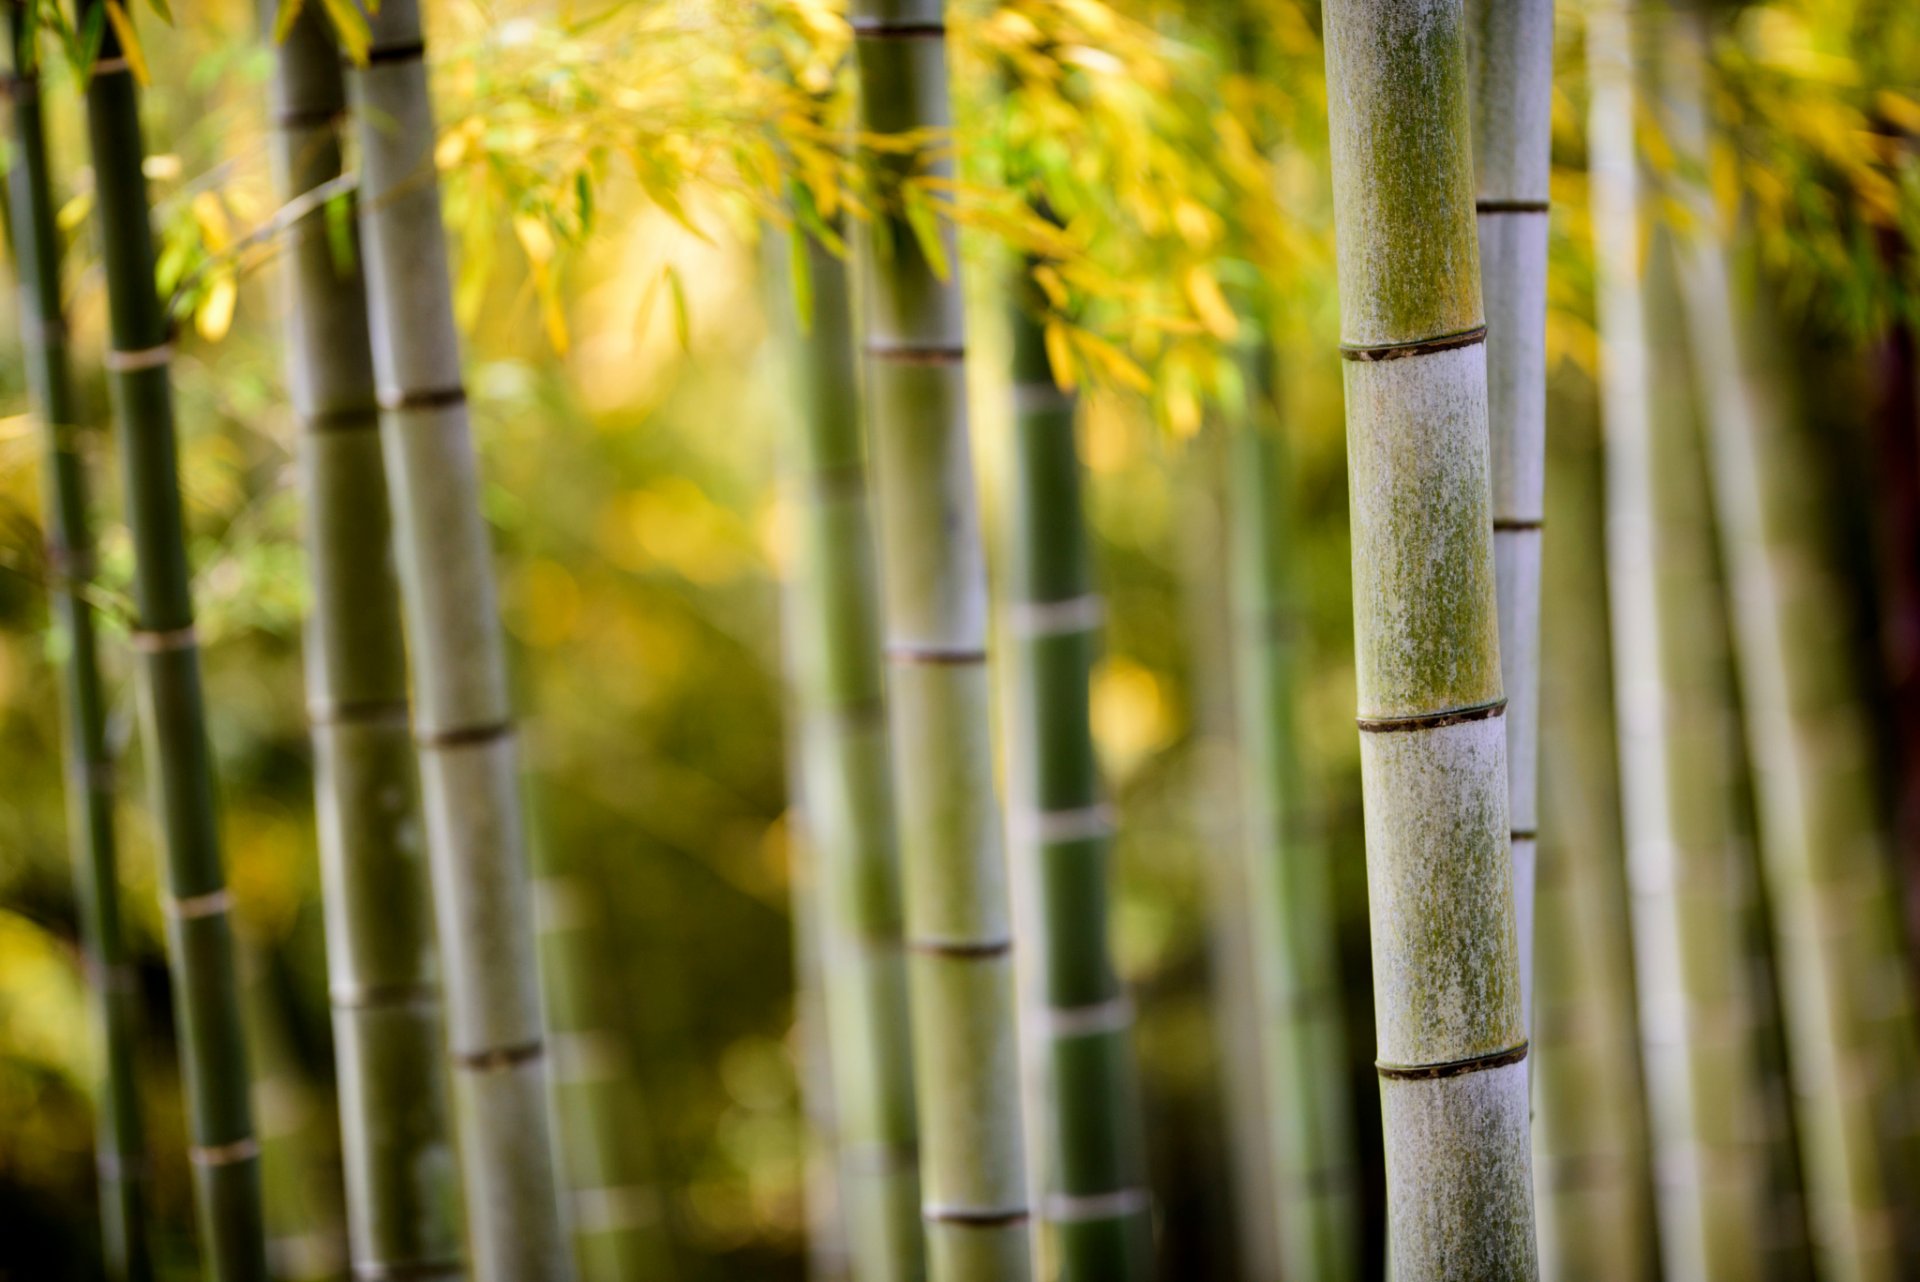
[1510, 59]
[958, 916]
[1844, 983]
[224, 1150]
[120, 1149]
[1300, 1013]
[1679, 751]
[395, 1123]
[462, 712]
[1096, 1202]
[841, 749]
[1450, 1027]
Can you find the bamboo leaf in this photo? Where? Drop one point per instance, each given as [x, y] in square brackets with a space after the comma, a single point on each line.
[283, 21]
[214, 317]
[350, 25]
[682, 327]
[129, 42]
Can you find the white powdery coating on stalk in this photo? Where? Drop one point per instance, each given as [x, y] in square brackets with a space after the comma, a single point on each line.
[1510, 46]
[1446, 974]
[1426, 626]
[1513, 271]
[1464, 1138]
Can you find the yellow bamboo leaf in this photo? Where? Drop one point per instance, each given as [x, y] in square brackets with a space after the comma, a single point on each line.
[1209, 304]
[1059, 355]
[289, 13]
[1898, 108]
[214, 316]
[534, 238]
[129, 42]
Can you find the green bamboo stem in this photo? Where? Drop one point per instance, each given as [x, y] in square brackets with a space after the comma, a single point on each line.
[829, 1257]
[840, 743]
[1301, 1016]
[1097, 1204]
[1848, 1012]
[1679, 754]
[120, 1149]
[1510, 59]
[463, 716]
[959, 932]
[1451, 1031]
[617, 1213]
[224, 1151]
[1593, 1197]
[396, 1132]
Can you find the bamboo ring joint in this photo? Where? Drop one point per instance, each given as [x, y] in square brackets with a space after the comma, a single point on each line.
[1452, 1068]
[240, 1150]
[194, 907]
[1432, 720]
[969, 1217]
[132, 362]
[1415, 347]
[1077, 1208]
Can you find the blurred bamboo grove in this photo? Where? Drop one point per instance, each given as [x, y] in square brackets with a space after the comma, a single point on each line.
[722, 640]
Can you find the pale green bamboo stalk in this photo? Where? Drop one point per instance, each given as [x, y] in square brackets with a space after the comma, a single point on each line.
[829, 1258]
[1096, 1203]
[1593, 1197]
[1848, 1012]
[1300, 1009]
[959, 929]
[223, 1148]
[1452, 1034]
[1510, 57]
[396, 1141]
[463, 715]
[840, 749]
[1679, 754]
[119, 1147]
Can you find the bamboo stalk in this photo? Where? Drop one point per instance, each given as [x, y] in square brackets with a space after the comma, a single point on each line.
[1452, 1034]
[1679, 754]
[395, 1127]
[829, 1258]
[1097, 1204]
[120, 1148]
[224, 1150]
[1510, 58]
[1848, 1012]
[1593, 1196]
[463, 717]
[1300, 1012]
[840, 747]
[959, 932]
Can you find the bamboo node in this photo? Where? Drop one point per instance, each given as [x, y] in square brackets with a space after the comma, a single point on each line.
[1078, 1208]
[908, 652]
[1111, 1016]
[935, 947]
[132, 362]
[1490, 206]
[423, 398]
[503, 1057]
[409, 51]
[1452, 1068]
[240, 1150]
[1524, 834]
[1432, 720]
[975, 1217]
[1082, 613]
[1053, 827]
[458, 736]
[111, 66]
[610, 1210]
[1415, 347]
[194, 907]
[919, 353]
[165, 640]
[1517, 523]
[887, 29]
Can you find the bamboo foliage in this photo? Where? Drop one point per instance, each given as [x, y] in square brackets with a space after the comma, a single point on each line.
[1844, 990]
[1679, 755]
[1510, 56]
[1300, 1014]
[224, 1150]
[959, 932]
[1096, 1203]
[841, 749]
[119, 1146]
[384, 988]
[463, 725]
[1451, 1031]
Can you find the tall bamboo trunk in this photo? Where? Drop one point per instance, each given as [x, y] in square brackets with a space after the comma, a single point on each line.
[463, 715]
[1593, 1196]
[618, 1216]
[1679, 752]
[1850, 1036]
[841, 750]
[1096, 1204]
[1510, 57]
[396, 1141]
[1300, 1010]
[829, 1258]
[959, 931]
[119, 1147]
[1448, 1015]
[224, 1150]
